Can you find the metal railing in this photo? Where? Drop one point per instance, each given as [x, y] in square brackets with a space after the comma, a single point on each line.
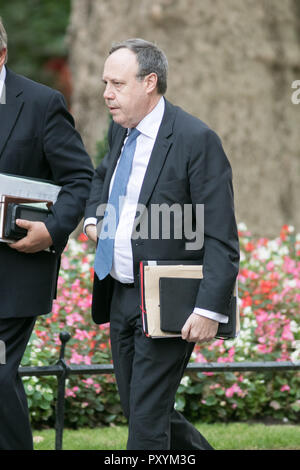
[62, 370]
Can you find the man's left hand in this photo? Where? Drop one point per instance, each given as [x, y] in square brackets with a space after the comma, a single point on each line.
[37, 239]
[199, 329]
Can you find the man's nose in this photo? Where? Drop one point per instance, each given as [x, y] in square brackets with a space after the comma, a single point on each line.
[108, 93]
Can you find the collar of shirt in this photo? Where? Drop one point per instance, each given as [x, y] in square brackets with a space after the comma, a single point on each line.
[149, 126]
[2, 79]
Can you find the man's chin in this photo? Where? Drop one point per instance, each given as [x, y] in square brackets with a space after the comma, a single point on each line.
[115, 115]
[120, 121]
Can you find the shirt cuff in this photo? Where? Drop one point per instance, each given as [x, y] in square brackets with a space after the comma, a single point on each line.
[89, 221]
[212, 315]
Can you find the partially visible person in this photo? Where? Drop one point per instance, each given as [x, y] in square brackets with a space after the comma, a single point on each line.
[37, 139]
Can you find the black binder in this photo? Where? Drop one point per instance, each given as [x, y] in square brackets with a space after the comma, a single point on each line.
[19, 211]
[177, 302]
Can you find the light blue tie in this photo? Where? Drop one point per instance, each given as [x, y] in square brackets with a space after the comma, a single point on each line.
[105, 249]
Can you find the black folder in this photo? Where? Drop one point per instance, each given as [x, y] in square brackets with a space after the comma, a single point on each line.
[21, 211]
[177, 302]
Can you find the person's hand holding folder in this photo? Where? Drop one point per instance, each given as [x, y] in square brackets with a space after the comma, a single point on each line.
[37, 239]
[198, 329]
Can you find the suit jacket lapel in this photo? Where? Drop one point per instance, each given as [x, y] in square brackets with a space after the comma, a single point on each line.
[159, 153]
[10, 111]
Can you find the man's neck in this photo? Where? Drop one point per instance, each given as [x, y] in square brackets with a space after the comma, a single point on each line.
[154, 103]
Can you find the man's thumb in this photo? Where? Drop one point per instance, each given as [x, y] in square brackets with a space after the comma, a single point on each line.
[185, 329]
[23, 223]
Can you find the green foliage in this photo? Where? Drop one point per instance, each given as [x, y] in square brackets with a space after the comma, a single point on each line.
[41, 392]
[212, 397]
[36, 33]
[102, 146]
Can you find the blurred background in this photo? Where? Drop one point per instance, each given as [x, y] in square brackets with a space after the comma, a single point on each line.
[231, 63]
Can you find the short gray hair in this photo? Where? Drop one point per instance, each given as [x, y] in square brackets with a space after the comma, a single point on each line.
[3, 37]
[150, 59]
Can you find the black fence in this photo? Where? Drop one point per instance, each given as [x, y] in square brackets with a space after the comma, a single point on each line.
[62, 370]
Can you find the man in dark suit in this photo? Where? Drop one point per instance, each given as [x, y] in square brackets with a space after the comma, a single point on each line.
[38, 140]
[176, 159]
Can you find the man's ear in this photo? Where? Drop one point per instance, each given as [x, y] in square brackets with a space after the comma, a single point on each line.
[151, 82]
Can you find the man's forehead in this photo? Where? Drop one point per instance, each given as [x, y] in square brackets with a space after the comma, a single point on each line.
[121, 61]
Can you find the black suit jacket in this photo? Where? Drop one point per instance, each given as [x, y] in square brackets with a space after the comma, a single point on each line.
[187, 166]
[38, 139]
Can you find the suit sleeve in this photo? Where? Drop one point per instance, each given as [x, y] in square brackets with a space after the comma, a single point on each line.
[211, 184]
[71, 168]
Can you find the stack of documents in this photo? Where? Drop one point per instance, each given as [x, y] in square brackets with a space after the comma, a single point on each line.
[168, 291]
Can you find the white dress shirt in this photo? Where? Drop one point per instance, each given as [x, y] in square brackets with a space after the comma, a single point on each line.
[2, 79]
[122, 268]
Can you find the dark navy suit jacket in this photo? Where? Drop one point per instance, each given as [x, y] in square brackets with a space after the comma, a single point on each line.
[187, 166]
[38, 139]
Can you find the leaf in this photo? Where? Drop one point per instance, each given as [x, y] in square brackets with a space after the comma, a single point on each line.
[180, 403]
[211, 400]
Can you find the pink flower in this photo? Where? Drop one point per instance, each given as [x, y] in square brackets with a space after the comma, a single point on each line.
[287, 335]
[65, 263]
[88, 381]
[97, 388]
[213, 386]
[81, 334]
[262, 348]
[229, 358]
[285, 388]
[70, 392]
[87, 360]
[270, 266]
[73, 318]
[200, 358]
[76, 358]
[60, 281]
[234, 389]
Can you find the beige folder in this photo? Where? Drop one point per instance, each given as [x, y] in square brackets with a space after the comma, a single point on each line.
[152, 274]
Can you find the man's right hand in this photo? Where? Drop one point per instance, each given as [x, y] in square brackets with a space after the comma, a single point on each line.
[91, 231]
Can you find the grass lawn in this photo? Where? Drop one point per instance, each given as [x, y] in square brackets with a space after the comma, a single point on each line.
[233, 436]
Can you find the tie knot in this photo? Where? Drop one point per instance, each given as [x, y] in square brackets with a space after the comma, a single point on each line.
[134, 133]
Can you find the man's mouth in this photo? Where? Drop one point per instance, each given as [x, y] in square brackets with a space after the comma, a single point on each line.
[112, 108]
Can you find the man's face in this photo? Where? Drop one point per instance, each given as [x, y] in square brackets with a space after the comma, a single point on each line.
[2, 58]
[126, 96]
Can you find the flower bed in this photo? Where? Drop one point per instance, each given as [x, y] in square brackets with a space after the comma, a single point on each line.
[269, 292]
